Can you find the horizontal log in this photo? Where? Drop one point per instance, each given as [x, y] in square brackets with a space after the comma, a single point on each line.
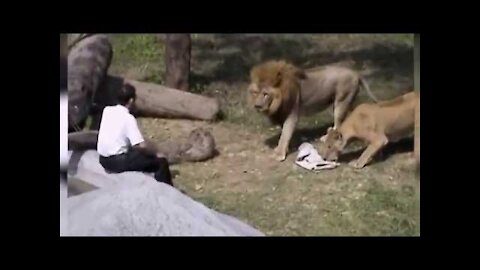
[154, 100]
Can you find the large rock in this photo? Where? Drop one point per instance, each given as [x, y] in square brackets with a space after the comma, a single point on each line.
[88, 62]
[63, 206]
[85, 166]
[134, 204]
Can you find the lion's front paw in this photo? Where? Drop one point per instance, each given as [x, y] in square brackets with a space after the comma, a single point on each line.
[279, 155]
[355, 164]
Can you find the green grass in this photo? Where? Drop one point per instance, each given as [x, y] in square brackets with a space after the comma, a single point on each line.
[381, 211]
[271, 196]
[138, 56]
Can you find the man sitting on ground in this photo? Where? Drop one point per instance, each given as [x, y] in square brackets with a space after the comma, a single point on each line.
[121, 145]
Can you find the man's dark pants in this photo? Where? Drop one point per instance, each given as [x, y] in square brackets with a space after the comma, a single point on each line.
[137, 160]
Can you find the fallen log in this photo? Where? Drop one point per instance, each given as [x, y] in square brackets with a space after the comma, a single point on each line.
[154, 100]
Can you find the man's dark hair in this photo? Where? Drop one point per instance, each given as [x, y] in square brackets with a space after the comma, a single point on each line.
[126, 93]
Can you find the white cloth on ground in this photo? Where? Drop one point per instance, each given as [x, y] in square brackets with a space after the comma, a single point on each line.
[309, 159]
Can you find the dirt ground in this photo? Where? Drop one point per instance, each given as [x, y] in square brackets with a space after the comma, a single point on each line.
[280, 198]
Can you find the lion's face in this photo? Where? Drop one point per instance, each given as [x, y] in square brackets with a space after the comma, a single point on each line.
[262, 97]
[201, 138]
[331, 145]
[275, 86]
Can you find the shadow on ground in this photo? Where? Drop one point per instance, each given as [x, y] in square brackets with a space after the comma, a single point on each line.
[300, 136]
[228, 57]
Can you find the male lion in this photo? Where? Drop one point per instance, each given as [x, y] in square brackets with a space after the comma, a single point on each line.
[282, 91]
[377, 124]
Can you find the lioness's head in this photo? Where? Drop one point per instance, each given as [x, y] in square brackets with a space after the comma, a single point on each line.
[273, 84]
[200, 137]
[331, 145]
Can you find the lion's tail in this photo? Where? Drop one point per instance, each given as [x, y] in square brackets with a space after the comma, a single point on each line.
[367, 89]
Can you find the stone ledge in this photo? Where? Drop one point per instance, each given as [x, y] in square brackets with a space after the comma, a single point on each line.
[134, 204]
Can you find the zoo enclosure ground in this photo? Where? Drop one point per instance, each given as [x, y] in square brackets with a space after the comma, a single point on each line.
[243, 181]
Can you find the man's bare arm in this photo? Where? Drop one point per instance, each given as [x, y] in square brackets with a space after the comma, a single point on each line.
[148, 149]
[142, 145]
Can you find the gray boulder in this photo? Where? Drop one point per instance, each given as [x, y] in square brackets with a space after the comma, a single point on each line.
[134, 204]
[63, 206]
[85, 166]
[88, 63]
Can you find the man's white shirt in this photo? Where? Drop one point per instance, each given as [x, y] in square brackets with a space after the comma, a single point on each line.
[118, 131]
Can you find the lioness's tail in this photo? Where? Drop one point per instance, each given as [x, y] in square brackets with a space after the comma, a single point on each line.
[367, 89]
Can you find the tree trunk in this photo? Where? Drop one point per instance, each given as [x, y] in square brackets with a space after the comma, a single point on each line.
[177, 61]
[154, 100]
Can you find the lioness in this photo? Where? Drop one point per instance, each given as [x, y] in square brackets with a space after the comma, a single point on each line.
[199, 146]
[282, 91]
[377, 124]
